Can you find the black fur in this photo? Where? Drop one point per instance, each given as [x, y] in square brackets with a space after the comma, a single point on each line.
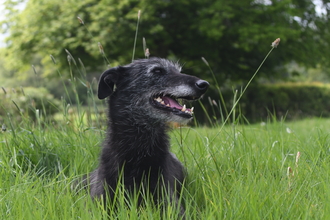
[137, 143]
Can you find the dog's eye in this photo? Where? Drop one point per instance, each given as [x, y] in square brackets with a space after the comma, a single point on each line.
[158, 70]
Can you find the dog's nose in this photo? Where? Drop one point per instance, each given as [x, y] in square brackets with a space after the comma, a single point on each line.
[202, 85]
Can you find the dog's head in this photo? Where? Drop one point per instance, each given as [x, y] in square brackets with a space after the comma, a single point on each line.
[151, 87]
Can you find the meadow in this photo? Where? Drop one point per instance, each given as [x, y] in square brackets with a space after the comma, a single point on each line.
[272, 170]
[235, 170]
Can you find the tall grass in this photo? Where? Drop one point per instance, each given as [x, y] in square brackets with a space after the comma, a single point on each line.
[241, 175]
[225, 115]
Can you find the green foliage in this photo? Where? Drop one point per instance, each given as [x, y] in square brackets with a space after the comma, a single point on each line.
[280, 100]
[289, 100]
[27, 102]
[233, 35]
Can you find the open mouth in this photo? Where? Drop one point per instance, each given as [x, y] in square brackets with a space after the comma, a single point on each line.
[170, 103]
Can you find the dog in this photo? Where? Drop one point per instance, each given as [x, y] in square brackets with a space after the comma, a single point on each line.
[142, 100]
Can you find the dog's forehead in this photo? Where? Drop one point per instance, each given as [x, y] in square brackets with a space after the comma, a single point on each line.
[152, 63]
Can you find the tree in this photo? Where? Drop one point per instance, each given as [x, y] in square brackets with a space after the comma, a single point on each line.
[234, 36]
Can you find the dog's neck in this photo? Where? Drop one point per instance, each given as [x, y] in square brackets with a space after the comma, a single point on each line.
[142, 138]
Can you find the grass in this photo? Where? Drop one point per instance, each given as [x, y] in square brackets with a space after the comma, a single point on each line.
[241, 174]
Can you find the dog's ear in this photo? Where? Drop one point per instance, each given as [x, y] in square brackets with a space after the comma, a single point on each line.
[107, 82]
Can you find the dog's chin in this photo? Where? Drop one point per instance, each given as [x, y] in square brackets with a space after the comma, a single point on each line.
[168, 116]
[175, 114]
[178, 119]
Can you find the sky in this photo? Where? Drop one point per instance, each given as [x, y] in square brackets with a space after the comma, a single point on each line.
[2, 17]
[1, 9]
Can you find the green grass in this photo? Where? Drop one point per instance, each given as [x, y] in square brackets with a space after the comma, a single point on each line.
[239, 173]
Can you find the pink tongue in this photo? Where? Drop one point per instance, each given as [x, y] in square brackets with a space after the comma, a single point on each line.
[171, 102]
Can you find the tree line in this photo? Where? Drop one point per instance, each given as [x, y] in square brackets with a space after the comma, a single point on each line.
[233, 36]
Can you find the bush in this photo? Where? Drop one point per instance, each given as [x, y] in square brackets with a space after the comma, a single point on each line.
[20, 102]
[288, 100]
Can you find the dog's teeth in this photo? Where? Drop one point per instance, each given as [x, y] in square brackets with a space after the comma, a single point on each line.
[162, 102]
[184, 108]
[188, 112]
[158, 99]
[192, 110]
[168, 105]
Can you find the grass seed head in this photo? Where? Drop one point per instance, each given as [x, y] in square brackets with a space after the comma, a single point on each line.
[289, 172]
[205, 61]
[4, 90]
[69, 59]
[80, 20]
[276, 43]
[100, 47]
[209, 99]
[147, 53]
[297, 157]
[22, 90]
[53, 59]
[34, 70]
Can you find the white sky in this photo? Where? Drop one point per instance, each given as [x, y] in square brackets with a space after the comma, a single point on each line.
[1, 19]
[1, 8]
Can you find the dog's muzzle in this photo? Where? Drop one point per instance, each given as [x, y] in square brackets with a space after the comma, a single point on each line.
[168, 101]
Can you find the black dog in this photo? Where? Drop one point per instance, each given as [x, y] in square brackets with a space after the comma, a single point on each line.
[136, 151]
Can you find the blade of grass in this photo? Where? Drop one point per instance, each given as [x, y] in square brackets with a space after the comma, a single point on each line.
[136, 32]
